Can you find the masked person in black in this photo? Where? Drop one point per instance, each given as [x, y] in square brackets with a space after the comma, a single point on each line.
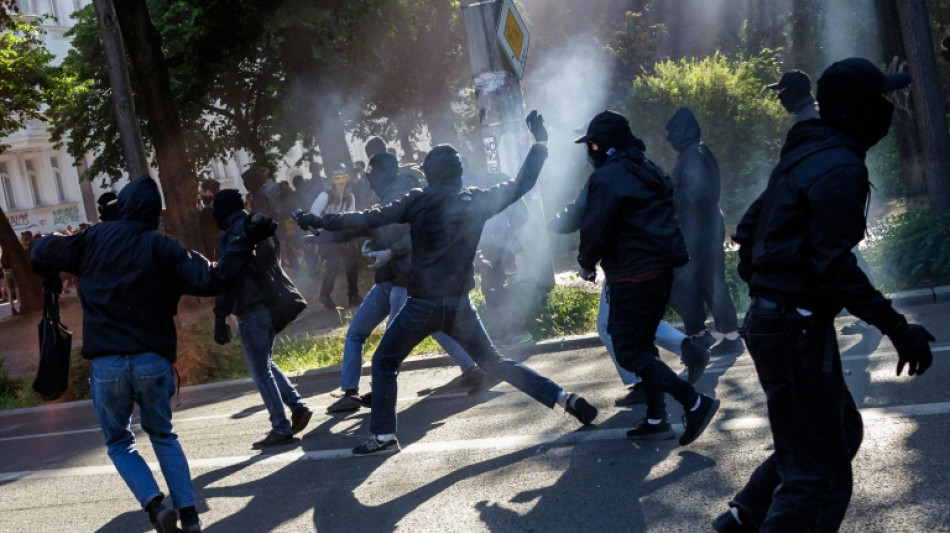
[795, 253]
[702, 281]
[794, 91]
[629, 227]
[108, 207]
[446, 222]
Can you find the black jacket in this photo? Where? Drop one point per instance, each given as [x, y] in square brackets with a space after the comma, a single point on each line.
[629, 222]
[796, 239]
[244, 291]
[131, 277]
[445, 225]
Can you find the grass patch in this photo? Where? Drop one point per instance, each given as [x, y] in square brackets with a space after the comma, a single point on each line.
[312, 351]
[15, 393]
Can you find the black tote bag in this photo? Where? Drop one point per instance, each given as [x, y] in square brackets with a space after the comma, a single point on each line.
[52, 376]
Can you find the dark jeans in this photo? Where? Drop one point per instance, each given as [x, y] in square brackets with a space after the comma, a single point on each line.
[455, 316]
[703, 281]
[635, 311]
[336, 253]
[805, 485]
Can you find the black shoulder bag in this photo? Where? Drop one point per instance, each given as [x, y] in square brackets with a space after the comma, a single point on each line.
[52, 376]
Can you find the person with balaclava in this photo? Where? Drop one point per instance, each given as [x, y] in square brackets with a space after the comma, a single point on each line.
[794, 92]
[108, 207]
[795, 252]
[629, 226]
[701, 282]
[132, 279]
[245, 298]
[206, 222]
[389, 253]
[445, 223]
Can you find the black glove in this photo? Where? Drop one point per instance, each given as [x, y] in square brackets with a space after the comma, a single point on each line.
[222, 331]
[536, 126]
[53, 283]
[912, 342]
[308, 221]
[257, 227]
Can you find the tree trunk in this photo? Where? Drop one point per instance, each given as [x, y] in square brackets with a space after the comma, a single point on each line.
[30, 287]
[805, 53]
[929, 113]
[329, 133]
[154, 95]
[905, 130]
[441, 128]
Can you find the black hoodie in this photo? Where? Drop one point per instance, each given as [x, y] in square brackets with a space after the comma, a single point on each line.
[131, 277]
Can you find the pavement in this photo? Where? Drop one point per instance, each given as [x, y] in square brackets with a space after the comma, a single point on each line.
[493, 461]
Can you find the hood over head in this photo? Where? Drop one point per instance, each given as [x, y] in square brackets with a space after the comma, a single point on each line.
[443, 166]
[383, 169]
[141, 201]
[226, 203]
[682, 129]
[375, 145]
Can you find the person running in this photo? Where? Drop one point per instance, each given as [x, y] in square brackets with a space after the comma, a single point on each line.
[446, 222]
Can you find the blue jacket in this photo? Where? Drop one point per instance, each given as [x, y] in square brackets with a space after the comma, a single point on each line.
[131, 277]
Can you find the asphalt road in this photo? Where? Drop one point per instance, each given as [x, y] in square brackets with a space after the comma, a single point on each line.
[496, 461]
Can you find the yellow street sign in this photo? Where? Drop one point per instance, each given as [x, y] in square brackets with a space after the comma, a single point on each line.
[513, 37]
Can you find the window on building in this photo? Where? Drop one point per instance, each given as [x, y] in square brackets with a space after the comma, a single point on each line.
[33, 180]
[58, 179]
[7, 184]
[53, 8]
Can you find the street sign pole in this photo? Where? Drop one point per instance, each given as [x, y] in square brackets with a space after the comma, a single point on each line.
[497, 46]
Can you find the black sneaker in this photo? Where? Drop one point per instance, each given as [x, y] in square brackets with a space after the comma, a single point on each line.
[299, 418]
[273, 439]
[328, 302]
[164, 519]
[704, 339]
[348, 402]
[636, 396]
[695, 422]
[377, 447]
[366, 400]
[473, 380]
[189, 519]
[695, 357]
[728, 347]
[581, 409]
[643, 430]
[727, 523]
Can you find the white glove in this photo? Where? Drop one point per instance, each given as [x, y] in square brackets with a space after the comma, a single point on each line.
[587, 275]
[379, 258]
[367, 247]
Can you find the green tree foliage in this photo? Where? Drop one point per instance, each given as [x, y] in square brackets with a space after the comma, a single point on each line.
[910, 251]
[742, 123]
[25, 73]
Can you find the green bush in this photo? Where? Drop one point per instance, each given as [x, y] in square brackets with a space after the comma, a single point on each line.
[568, 310]
[742, 123]
[910, 251]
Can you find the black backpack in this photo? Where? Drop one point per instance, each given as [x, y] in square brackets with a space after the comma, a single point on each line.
[281, 297]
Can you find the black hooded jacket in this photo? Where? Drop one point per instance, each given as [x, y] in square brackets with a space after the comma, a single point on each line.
[796, 238]
[245, 291]
[629, 222]
[131, 277]
[446, 221]
[390, 186]
[696, 188]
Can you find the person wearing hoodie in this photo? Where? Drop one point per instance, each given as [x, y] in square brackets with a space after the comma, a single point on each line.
[390, 252]
[132, 278]
[702, 281]
[245, 298]
[629, 226]
[795, 252]
[446, 223]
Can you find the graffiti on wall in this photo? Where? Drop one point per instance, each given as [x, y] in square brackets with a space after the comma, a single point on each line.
[66, 215]
[19, 220]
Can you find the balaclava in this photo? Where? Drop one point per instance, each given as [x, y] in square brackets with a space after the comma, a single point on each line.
[443, 167]
[226, 203]
[383, 170]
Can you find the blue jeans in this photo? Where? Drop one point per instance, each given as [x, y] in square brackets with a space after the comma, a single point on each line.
[118, 383]
[257, 342]
[456, 316]
[384, 300]
[666, 336]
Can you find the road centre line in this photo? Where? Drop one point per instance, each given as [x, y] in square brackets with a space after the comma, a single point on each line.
[870, 415]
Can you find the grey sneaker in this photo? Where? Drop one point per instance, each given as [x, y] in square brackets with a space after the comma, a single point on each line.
[377, 447]
[644, 430]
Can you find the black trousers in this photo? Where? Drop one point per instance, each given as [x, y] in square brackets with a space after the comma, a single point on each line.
[703, 281]
[336, 253]
[635, 311]
[805, 485]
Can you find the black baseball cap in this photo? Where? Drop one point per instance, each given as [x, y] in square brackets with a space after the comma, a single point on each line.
[861, 73]
[606, 122]
[794, 79]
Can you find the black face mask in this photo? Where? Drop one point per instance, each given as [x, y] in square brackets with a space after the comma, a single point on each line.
[597, 157]
[787, 101]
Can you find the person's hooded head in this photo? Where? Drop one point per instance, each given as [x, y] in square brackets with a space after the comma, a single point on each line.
[382, 172]
[226, 203]
[209, 188]
[108, 206]
[682, 130]
[794, 90]
[375, 145]
[607, 133]
[253, 179]
[141, 201]
[851, 99]
[443, 167]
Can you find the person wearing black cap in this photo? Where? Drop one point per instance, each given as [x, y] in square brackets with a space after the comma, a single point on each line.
[132, 279]
[446, 222]
[245, 298]
[794, 91]
[629, 227]
[795, 250]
